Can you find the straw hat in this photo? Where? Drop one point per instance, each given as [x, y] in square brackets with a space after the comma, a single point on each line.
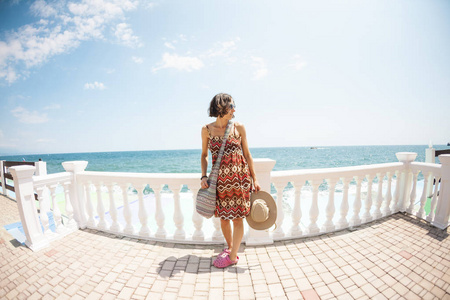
[263, 211]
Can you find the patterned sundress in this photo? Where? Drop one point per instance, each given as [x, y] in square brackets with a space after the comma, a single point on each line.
[234, 182]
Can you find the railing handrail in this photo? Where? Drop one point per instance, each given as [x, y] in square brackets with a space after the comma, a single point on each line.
[427, 167]
[52, 179]
[336, 172]
[190, 179]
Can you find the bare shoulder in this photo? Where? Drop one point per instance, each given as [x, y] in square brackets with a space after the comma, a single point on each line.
[205, 129]
[240, 127]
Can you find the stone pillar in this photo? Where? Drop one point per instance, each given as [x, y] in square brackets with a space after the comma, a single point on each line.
[77, 192]
[263, 167]
[406, 178]
[23, 185]
[441, 219]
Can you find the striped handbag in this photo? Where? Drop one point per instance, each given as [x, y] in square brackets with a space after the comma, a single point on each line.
[206, 198]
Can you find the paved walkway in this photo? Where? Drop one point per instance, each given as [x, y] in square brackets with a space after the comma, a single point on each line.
[399, 257]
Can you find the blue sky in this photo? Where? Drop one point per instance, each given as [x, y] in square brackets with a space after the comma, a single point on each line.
[86, 76]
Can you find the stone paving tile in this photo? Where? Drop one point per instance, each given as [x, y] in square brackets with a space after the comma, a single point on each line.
[398, 257]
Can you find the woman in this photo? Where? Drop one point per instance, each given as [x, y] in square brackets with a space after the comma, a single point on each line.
[236, 173]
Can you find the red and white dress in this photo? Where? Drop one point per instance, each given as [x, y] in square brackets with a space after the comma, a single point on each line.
[234, 182]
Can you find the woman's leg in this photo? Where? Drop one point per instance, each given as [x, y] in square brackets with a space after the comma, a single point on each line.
[238, 233]
[226, 231]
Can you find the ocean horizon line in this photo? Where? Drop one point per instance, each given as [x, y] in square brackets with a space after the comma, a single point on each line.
[315, 147]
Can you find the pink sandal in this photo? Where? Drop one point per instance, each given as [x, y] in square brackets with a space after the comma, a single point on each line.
[223, 262]
[224, 253]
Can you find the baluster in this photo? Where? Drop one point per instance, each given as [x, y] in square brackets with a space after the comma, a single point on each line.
[388, 196]
[115, 226]
[356, 220]
[178, 218]
[394, 207]
[328, 225]
[343, 223]
[143, 216]
[434, 200]
[69, 208]
[56, 212]
[43, 209]
[368, 203]
[377, 212]
[401, 176]
[129, 229]
[413, 192]
[217, 234]
[159, 214]
[314, 210]
[89, 207]
[198, 222]
[102, 224]
[297, 212]
[279, 233]
[423, 199]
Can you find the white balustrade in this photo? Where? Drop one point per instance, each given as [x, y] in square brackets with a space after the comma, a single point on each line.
[388, 196]
[102, 224]
[115, 226]
[69, 208]
[129, 228]
[377, 212]
[314, 210]
[178, 217]
[433, 205]
[279, 232]
[296, 231]
[89, 207]
[159, 214]
[356, 220]
[81, 208]
[343, 223]
[412, 197]
[143, 216]
[368, 202]
[328, 225]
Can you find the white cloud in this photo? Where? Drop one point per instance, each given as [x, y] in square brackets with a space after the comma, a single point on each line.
[298, 63]
[29, 117]
[62, 27]
[138, 60]
[169, 45]
[181, 63]
[52, 106]
[125, 35]
[261, 68]
[149, 4]
[42, 9]
[223, 49]
[94, 86]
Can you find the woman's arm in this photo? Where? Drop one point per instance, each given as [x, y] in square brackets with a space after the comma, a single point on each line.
[248, 156]
[204, 156]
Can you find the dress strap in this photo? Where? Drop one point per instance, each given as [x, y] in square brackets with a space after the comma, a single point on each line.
[209, 132]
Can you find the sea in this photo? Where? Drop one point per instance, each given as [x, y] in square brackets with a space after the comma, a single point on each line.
[188, 161]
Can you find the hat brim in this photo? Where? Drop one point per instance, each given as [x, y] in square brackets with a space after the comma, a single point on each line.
[270, 202]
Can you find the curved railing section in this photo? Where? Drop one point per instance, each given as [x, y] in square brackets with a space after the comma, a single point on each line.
[161, 206]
